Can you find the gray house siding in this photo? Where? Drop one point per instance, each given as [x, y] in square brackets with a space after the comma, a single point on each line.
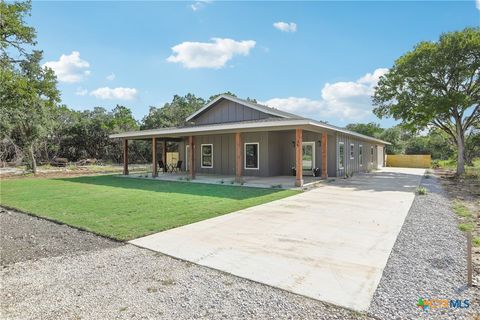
[354, 165]
[228, 111]
[277, 153]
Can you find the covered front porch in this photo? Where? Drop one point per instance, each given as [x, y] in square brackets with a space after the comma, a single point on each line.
[280, 182]
[279, 157]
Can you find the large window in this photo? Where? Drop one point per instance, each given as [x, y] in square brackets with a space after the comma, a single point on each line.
[341, 155]
[371, 154]
[352, 151]
[360, 154]
[207, 155]
[251, 155]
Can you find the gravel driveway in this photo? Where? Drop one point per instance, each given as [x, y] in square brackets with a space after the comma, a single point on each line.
[428, 261]
[70, 274]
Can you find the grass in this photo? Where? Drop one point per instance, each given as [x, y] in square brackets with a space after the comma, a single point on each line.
[127, 208]
[471, 172]
[476, 241]
[466, 226]
[461, 210]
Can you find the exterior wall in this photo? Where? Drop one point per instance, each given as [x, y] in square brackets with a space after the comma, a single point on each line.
[354, 165]
[228, 111]
[224, 154]
[277, 153]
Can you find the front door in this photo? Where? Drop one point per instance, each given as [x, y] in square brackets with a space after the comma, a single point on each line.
[308, 156]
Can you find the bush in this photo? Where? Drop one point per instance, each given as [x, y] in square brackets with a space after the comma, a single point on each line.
[422, 191]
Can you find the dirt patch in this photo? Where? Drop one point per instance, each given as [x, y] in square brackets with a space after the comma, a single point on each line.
[70, 171]
[467, 191]
[24, 237]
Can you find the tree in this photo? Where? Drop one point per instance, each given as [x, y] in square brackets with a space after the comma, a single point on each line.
[28, 93]
[172, 114]
[370, 129]
[28, 96]
[436, 85]
[215, 96]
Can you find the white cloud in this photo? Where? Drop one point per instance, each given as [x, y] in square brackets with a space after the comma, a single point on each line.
[285, 26]
[199, 4]
[110, 77]
[477, 2]
[213, 54]
[346, 101]
[70, 68]
[81, 91]
[115, 93]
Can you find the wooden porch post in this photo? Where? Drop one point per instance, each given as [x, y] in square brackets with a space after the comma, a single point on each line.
[164, 155]
[125, 156]
[238, 157]
[191, 156]
[154, 158]
[298, 158]
[324, 156]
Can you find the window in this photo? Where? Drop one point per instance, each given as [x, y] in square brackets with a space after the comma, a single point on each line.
[251, 155]
[352, 150]
[371, 154]
[341, 155]
[207, 155]
[360, 154]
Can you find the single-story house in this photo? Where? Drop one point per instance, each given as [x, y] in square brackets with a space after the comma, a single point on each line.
[232, 136]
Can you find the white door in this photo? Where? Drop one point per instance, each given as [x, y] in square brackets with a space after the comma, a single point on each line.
[308, 156]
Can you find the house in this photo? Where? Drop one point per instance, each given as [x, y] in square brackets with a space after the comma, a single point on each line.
[236, 137]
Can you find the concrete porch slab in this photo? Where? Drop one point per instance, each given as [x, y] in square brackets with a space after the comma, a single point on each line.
[331, 243]
[281, 182]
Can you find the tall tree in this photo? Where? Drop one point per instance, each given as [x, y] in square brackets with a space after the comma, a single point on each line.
[28, 93]
[174, 113]
[370, 129]
[436, 84]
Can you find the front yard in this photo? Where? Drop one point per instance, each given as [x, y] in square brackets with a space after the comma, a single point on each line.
[128, 208]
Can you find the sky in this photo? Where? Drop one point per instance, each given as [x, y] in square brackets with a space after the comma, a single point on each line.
[318, 59]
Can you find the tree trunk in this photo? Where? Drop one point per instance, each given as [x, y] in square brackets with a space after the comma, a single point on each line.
[32, 158]
[460, 149]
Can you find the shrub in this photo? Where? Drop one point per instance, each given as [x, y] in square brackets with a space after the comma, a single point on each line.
[476, 242]
[422, 191]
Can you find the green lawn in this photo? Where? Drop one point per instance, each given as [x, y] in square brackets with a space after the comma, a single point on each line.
[124, 208]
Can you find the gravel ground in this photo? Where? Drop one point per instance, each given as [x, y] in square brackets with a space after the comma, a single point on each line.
[24, 237]
[66, 273]
[108, 280]
[428, 261]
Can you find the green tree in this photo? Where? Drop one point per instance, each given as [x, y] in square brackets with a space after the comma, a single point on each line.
[172, 114]
[370, 129]
[436, 85]
[28, 92]
[215, 96]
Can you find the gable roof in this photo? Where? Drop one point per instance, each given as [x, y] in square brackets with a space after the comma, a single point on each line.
[250, 104]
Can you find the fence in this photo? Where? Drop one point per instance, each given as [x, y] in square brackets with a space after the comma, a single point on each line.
[409, 160]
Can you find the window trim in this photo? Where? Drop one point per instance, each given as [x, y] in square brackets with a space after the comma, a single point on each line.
[341, 143]
[312, 143]
[245, 156]
[360, 154]
[201, 155]
[352, 151]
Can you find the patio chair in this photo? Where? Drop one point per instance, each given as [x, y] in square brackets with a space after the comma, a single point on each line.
[161, 165]
[178, 167]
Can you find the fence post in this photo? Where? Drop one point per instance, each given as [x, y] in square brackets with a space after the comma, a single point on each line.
[469, 258]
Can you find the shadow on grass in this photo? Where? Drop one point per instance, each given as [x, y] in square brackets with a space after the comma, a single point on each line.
[195, 189]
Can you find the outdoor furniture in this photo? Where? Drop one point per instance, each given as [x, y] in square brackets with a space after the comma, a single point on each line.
[161, 165]
[178, 167]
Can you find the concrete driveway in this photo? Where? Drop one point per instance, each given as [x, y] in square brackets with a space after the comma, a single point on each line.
[330, 243]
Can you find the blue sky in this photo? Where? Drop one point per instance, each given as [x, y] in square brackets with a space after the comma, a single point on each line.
[318, 59]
